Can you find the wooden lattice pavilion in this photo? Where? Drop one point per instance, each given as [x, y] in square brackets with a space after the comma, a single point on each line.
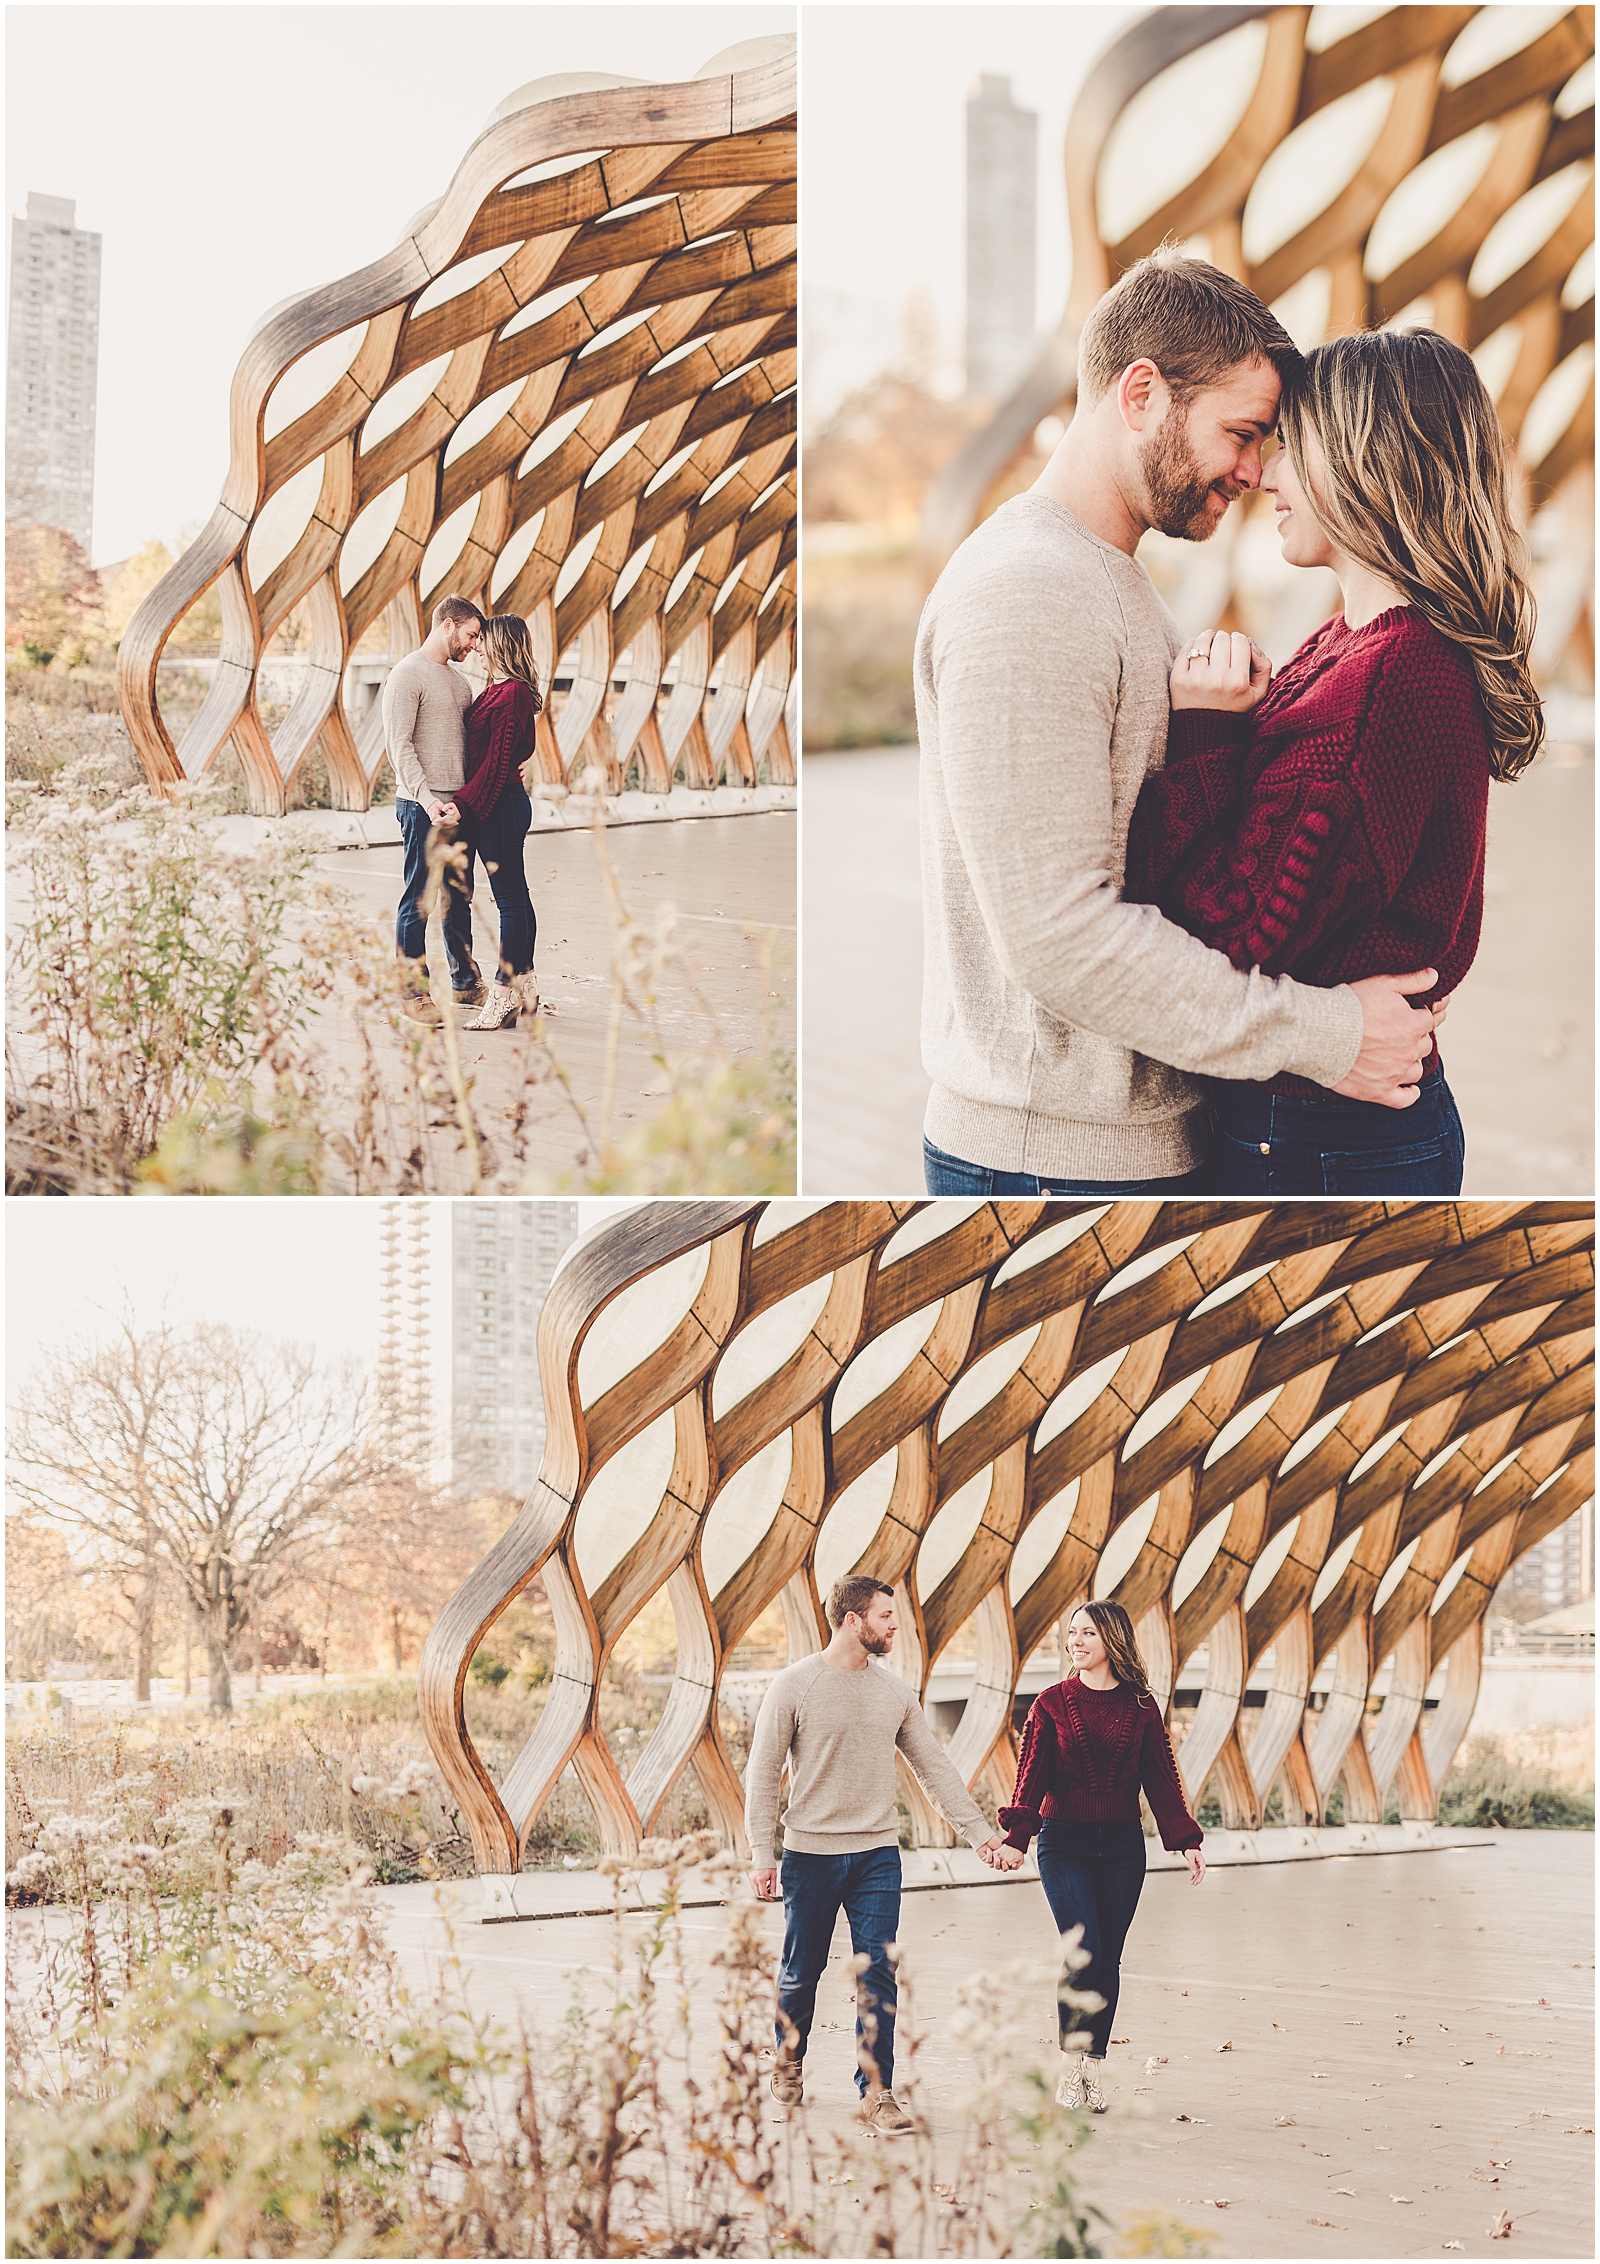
[568, 393]
[1299, 1436]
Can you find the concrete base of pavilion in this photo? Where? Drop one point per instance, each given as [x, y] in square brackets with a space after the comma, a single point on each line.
[501, 1899]
[1377, 2059]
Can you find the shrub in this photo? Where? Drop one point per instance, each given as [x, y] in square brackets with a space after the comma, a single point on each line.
[221, 2057]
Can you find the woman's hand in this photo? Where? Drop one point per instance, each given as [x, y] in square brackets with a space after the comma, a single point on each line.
[1197, 1865]
[1220, 671]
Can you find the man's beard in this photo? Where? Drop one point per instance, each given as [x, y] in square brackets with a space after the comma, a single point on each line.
[1178, 498]
[879, 1645]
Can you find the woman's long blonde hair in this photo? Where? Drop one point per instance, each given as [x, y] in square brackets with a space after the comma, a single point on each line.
[1115, 1630]
[508, 649]
[1417, 487]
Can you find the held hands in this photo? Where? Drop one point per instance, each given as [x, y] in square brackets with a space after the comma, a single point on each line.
[1396, 1039]
[1000, 1855]
[1220, 671]
[444, 813]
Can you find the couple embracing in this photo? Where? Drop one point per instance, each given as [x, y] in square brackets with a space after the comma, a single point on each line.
[1191, 927]
[458, 764]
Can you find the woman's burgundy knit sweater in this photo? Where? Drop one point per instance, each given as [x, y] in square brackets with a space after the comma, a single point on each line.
[1085, 1753]
[1338, 830]
[500, 730]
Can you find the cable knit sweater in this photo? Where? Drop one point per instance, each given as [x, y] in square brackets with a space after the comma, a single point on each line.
[1085, 1754]
[500, 728]
[1338, 831]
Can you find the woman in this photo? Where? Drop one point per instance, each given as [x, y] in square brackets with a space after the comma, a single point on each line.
[1333, 826]
[1089, 1744]
[495, 813]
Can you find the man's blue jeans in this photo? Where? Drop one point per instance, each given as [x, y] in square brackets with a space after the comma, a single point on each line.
[949, 1175]
[410, 927]
[866, 1886]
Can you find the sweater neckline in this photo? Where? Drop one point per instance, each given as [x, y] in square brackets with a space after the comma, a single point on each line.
[1390, 617]
[1087, 1689]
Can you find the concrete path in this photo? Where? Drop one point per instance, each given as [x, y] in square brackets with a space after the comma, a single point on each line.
[730, 883]
[1519, 1044]
[1415, 2025]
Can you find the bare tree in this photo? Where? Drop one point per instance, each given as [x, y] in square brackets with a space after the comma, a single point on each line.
[211, 1455]
[404, 1545]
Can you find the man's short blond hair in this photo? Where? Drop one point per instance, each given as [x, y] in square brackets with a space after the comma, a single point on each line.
[456, 609]
[1186, 316]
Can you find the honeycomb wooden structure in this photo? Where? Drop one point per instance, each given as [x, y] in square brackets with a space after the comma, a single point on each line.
[568, 393]
[1292, 1437]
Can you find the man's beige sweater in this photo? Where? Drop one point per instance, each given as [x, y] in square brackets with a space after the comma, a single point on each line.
[838, 1729]
[1057, 1021]
[425, 705]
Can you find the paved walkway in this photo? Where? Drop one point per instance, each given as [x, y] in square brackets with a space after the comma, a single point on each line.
[1519, 1043]
[1404, 2025]
[731, 884]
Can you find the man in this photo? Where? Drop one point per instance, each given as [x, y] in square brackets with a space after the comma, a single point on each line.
[425, 703]
[1058, 1021]
[837, 1719]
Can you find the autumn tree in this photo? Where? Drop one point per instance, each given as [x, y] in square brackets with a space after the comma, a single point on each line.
[211, 1456]
[52, 593]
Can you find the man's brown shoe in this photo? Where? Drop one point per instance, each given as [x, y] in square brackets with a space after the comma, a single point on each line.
[416, 1000]
[881, 2111]
[472, 993]
[788, 2082]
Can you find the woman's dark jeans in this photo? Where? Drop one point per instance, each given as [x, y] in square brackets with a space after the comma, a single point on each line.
[498, 839]
[949, 1175]
[866, 1886]
[1270, 1143]
[1092, 1875]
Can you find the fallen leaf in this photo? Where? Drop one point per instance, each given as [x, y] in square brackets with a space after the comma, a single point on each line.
[1404, 2198]
[1228, 2047]
[1348, 2191]
[1219, 2205]
[1501, 2228]
[1154, 2062]
[1466, 2063]
[1452, 2244]
[1119, 2039]
[1181, 2118]
[1321, 2078]
[1328, 2221]
[1278, 2025]
[1285, 2122]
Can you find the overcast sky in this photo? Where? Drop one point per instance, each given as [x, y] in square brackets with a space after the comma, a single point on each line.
[302, 1268]
[232, 156]
[883, 192]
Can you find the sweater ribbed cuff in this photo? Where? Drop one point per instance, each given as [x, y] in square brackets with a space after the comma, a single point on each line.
[1328, 1033]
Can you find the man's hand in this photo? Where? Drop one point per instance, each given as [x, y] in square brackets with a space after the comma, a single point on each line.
[1220, 671]
[1000, 1855]
[765, 1884]
[444, 813]
[1396, 1039]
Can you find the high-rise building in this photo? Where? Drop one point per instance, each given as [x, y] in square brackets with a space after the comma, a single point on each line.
[1557, 1570]
[1002, 208]
[503, 1258]
[52, 348]
[404, 1415]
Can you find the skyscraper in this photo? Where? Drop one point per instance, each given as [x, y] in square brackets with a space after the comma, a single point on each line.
[503, 1258]
[52, 347]
[1002, 202]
